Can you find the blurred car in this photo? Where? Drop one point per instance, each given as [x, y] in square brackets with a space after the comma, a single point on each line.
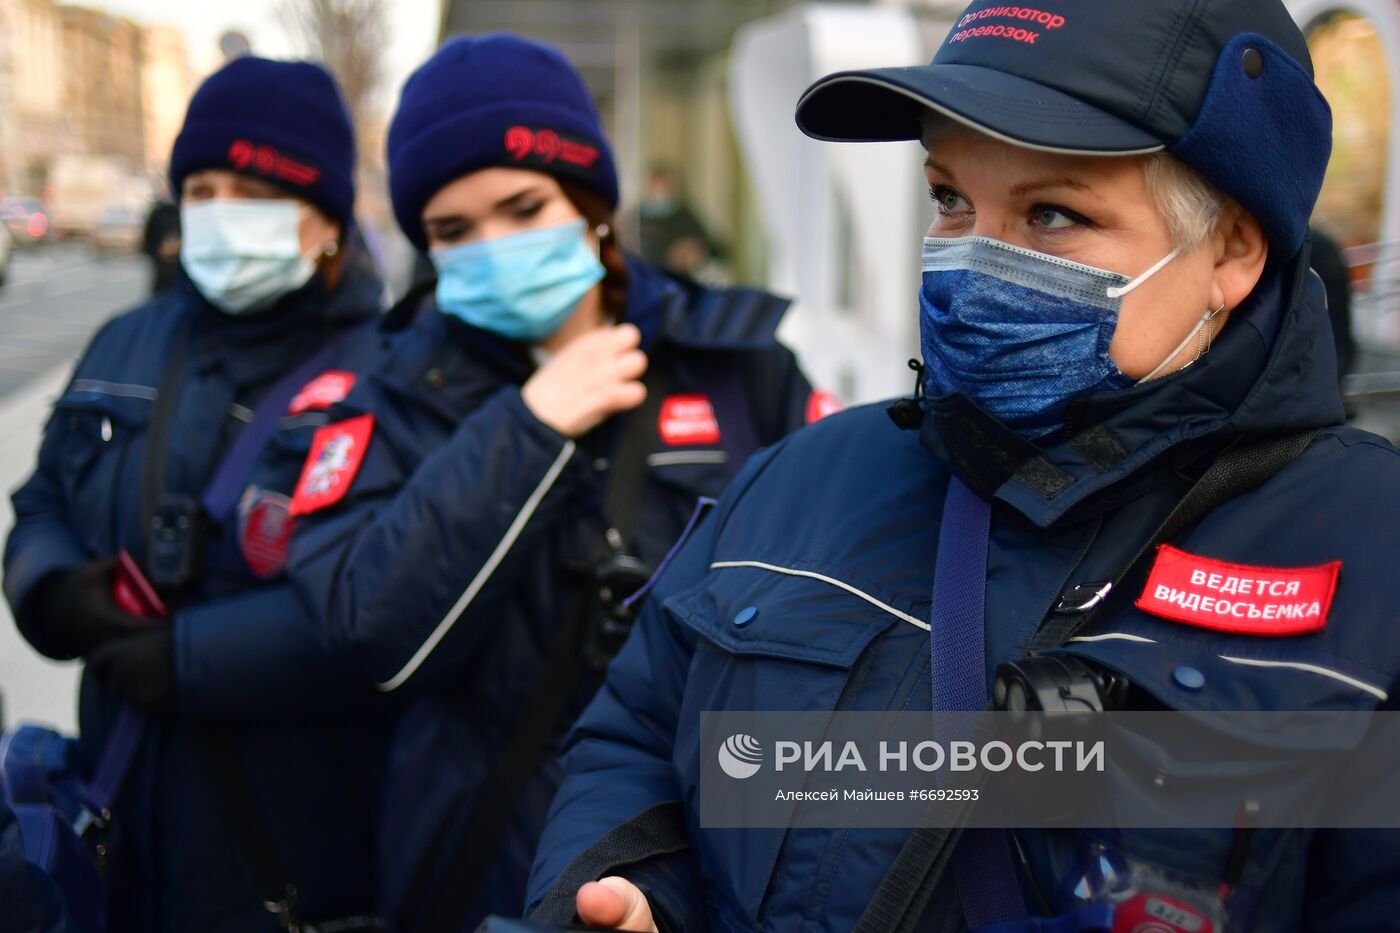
[26, 220]
[6, 241]
[119, 228]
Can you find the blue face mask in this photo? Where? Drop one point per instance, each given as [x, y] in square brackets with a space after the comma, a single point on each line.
[1019, 332]
[522, 287]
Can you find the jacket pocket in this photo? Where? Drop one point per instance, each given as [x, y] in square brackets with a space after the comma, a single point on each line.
[99, 436]
[778, 638]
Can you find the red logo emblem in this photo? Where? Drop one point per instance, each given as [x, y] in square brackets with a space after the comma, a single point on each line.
[245, 155]
[264, 528]
[1157, 913]
[337, 450]
[547, 146]
[688, 419]
[1238, 598]
[322, 392]
[821, 404]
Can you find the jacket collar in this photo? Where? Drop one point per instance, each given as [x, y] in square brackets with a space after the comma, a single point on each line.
[1272, 371]
[669, 307]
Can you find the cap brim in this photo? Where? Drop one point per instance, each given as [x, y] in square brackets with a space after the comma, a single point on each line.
[886, 104]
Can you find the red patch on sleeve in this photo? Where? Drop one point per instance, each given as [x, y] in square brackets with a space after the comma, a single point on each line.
[337, 450]
[688, 419]
[1236, 597]
[820, 404]
[1156, 913]
[322, 392]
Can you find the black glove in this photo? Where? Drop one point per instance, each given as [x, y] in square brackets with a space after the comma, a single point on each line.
[139, 669]
[75, 611]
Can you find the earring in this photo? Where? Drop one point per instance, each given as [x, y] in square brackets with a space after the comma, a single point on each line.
[1207, 334]
[330, 249]
[603, 231]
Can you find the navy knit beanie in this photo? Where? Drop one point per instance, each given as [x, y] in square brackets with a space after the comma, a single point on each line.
[283, 122]
[490, 101]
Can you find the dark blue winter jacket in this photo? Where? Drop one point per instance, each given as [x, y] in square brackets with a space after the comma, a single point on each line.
[246, 656]
[809, 589]
[469, 534]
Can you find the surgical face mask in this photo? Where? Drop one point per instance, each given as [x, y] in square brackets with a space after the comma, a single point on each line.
[522, 287]
[1021, 333]
[243, 255]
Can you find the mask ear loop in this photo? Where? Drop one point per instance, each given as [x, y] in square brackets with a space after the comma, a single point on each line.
[1118, 291]
[1203, 342]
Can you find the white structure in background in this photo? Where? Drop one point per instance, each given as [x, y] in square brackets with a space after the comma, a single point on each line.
[1376, 308]
[844, 222]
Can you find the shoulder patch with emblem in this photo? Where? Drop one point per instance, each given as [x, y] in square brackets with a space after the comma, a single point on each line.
[322, 392]
[686, 420]
[1238, 598]
[337, 450]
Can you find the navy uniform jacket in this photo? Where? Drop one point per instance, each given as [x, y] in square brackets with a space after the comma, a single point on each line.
[449, 565]
[246, 655]
[842, 592]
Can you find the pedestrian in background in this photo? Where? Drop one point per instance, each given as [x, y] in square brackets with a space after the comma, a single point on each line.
[253, 789]
[671, 235]
[480, 508]
[160, 242]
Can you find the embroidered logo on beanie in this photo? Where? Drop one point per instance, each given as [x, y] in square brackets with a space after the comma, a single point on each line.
[542, 146]
[268, 161]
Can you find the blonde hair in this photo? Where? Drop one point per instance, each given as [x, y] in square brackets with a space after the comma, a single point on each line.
[1190, 205]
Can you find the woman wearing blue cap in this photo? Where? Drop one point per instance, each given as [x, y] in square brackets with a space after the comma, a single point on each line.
[479, 511]
[249, 772]
[1125, 477]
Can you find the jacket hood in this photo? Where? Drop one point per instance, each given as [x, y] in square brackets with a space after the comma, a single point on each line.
[1272, 371]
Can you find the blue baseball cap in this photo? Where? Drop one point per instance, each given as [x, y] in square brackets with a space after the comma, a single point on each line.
[1224, 85]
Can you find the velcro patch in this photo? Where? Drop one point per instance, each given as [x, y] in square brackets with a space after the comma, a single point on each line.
[322, 392]
[1239, 598]
[337, 450]
[820, 404]
[688, 419]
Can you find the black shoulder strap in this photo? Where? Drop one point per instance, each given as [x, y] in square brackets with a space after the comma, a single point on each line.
[658, 830]
[623, 497]
[442, 902]
[904, 895]
[1238, 470]
[156, 455]
[248, 825]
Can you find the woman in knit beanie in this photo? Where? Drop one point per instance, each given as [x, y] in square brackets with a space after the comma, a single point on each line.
[538, 440]
[249, 781]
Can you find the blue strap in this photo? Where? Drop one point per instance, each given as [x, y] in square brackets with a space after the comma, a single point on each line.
[226, 487]
[116, 758]
[986, 876]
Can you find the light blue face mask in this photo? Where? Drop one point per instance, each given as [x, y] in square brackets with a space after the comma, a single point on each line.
[1019, 332]
[521, 287]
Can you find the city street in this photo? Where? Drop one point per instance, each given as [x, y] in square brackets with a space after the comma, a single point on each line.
[53, 301]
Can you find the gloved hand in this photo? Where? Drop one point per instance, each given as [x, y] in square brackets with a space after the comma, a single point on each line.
[140, 670]
[75, 608]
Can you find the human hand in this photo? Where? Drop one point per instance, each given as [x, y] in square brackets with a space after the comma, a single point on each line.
[593, 378]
